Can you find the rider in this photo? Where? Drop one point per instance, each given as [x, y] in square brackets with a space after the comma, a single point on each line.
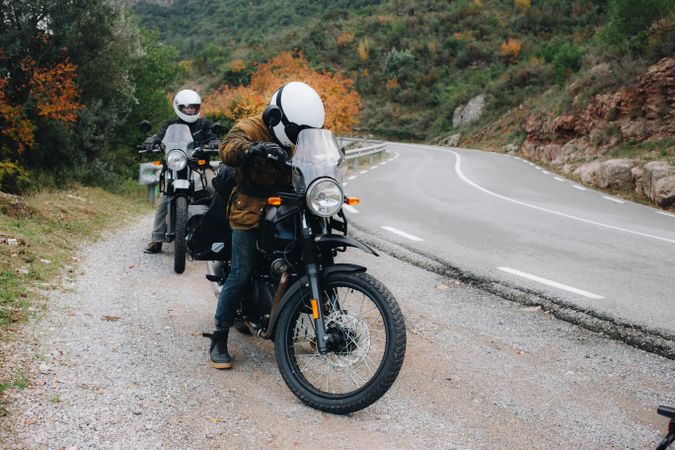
[186, 105]
[255, 147]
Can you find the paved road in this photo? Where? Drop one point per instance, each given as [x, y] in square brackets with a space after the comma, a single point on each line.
[119, 362]
[506, 219]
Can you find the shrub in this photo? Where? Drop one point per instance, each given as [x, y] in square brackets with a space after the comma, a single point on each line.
[661, 41]
[510, 49]
[13, 178]
[566, 61]
[397, 62]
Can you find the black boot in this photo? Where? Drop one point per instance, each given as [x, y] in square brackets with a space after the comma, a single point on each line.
[220, 359]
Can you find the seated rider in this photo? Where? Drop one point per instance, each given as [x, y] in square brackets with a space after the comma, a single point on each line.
[186, 105]
[255, 147]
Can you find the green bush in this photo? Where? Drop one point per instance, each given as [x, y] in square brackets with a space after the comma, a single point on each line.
[13, 178]
[630, 21]
[566, 61]
[398, 63]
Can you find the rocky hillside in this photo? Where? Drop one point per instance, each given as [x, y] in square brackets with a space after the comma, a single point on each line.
[565, 82]
[622, 140]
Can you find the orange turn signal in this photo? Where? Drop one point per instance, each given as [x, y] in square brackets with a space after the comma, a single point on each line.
[315, 309]
[274, 201]
[157, 163]
[201, 162]
[352, 201]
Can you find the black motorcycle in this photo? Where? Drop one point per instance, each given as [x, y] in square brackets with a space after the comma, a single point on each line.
[669, 412]
[182, 178]
[339, 334]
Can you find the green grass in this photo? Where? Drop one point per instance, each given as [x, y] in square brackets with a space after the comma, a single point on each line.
[45, 230]
[663, 149]
[18, 380]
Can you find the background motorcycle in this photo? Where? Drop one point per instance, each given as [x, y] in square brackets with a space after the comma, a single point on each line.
[339, 334]
[182, 179]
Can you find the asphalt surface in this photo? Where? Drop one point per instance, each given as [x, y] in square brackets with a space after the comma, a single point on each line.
[118, 362]
[500, 218]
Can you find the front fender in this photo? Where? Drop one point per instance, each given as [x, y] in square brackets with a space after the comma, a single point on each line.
[301, 283]
[338, 240]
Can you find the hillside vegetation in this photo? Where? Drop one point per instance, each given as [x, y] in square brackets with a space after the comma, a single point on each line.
[547, 71]
[414, 62]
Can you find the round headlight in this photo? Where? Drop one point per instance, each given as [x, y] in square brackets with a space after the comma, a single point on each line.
[324, 197]
[176, 160]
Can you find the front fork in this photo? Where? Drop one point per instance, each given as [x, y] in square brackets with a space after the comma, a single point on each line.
[312, 270]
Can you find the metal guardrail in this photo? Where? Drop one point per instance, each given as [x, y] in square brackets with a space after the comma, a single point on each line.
[355, 154]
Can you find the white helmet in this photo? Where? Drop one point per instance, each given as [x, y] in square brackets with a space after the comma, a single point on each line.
[187, 104]
[293, 107]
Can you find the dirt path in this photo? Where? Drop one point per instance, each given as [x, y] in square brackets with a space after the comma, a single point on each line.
[119, 362]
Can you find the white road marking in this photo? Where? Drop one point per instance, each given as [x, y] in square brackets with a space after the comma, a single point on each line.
[665, 213]
[351, 209]
[383, 163]
[363, 171]
[344, 183]
[374, 167]
[458, 170]
[613, 199]
[559, 179]
[352, 177]
[546, 172]
[402, 233]
[576, 186]
[552, 283]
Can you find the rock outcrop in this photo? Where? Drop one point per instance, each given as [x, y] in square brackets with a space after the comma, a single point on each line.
[469, 113]
[578, 143]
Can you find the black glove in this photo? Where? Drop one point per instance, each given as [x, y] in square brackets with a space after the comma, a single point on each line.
[277, 154]
[213, 145]
[148, 144]
[256, 149]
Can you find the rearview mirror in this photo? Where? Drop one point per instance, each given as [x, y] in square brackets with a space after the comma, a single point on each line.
[145, 126]
[217, 129]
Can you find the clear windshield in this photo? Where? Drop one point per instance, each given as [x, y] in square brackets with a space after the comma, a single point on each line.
[316, 155]
[178, 136]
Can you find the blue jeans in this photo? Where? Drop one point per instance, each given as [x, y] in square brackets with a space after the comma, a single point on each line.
[244, 254]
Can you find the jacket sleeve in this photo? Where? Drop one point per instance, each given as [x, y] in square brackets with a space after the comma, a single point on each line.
[233, 147]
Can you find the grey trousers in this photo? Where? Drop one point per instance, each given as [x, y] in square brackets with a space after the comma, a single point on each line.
[159, 226]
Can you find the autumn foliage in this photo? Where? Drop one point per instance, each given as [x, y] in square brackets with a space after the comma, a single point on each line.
[341, 101]
[510, 49]
[52, 92]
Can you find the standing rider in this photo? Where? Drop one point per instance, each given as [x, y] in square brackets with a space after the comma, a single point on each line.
[257, 147]
[186, 105]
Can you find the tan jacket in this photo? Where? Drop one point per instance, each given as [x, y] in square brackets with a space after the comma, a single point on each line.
[256, 178]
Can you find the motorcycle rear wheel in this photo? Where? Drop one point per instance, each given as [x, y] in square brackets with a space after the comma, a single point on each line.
[179, 243]
[368, 342]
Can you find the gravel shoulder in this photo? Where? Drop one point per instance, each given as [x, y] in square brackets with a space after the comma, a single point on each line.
[118, 361]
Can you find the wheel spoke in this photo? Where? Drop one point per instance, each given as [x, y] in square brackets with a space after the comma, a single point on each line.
[360, 331]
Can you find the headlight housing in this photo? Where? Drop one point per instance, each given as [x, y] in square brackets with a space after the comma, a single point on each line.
[176, 160]
[325, 197]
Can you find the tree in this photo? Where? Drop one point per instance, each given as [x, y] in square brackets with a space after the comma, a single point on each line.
[72, 73]
[340, 99]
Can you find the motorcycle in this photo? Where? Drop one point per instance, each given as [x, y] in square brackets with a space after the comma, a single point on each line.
[339, 334]
[182, 178]
[669, 412]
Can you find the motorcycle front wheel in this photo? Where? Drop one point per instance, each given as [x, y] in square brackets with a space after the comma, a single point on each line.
[367, 341]
[179, 243]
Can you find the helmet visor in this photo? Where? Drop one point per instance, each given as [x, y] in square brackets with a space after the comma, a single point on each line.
[190, 110]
